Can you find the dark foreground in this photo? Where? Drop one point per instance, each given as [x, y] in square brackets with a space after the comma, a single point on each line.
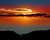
[11, 35]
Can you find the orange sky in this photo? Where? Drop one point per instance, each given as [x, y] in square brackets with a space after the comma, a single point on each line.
[34, 8]
[25, 21]
[42, 9]
[28, 20]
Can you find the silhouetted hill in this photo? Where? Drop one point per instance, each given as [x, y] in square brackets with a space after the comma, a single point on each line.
[36, 35]
[9, 35]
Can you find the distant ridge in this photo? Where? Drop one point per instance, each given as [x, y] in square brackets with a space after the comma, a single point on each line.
[37, 35]
[11, 35]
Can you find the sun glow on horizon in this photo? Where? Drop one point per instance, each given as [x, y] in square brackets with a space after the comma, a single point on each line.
[24, 11]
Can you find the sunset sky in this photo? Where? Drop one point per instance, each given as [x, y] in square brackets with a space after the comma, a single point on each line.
[35, 5]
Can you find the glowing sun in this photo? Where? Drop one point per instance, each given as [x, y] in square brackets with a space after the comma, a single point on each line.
[24, 11]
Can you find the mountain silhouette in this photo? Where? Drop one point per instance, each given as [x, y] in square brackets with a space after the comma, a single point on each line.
[36, 34]
[11, 35]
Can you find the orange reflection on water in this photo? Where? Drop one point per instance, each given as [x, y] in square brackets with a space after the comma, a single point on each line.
[25, 20]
